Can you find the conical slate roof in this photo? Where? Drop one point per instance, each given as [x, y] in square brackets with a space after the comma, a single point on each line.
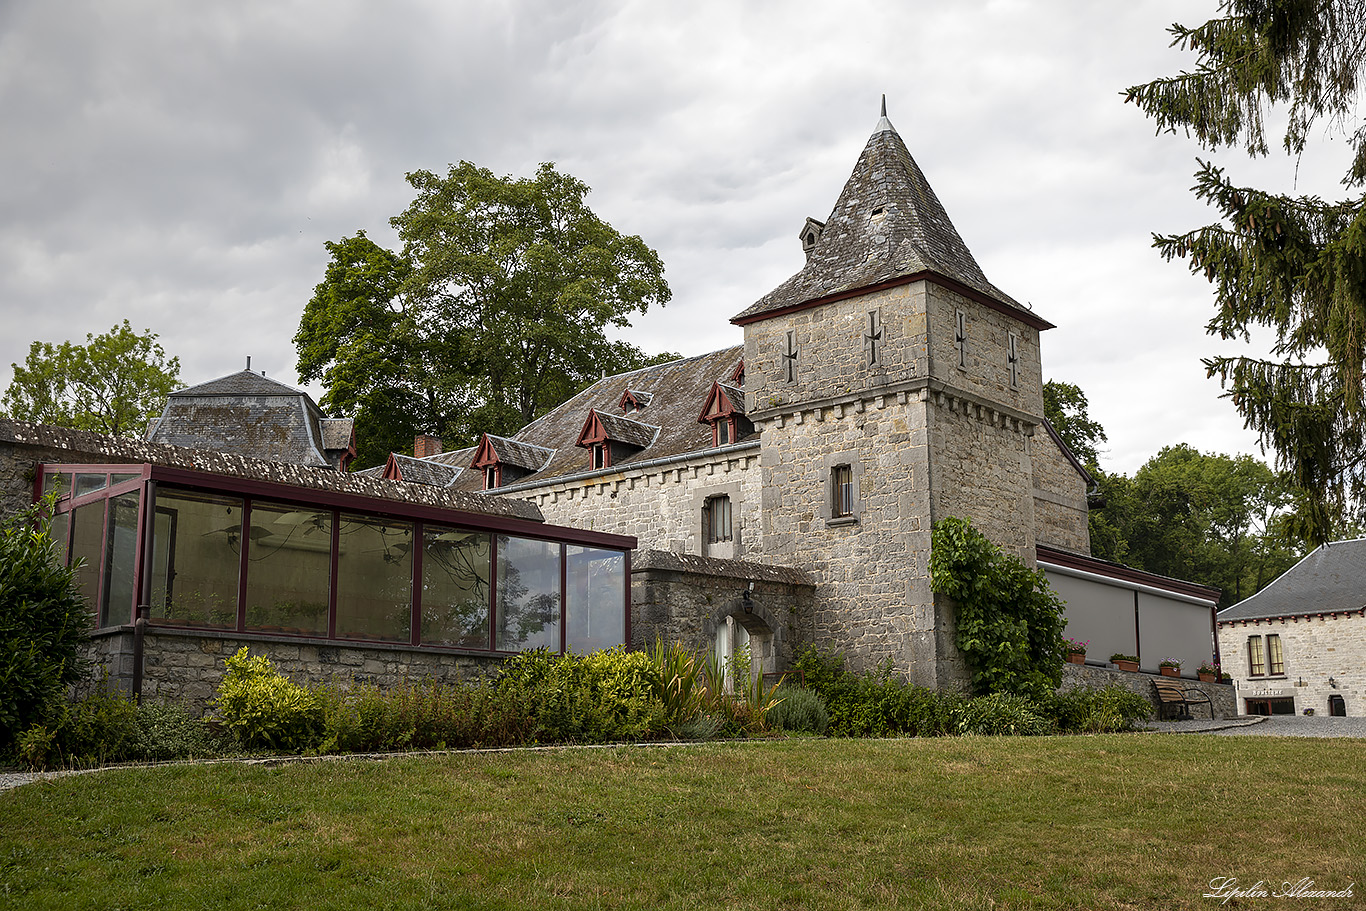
[887, 224]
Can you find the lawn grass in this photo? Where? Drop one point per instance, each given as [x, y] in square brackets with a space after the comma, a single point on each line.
[1114, 821]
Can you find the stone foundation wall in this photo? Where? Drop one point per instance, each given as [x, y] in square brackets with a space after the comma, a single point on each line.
[1089, 676]
[187, 665]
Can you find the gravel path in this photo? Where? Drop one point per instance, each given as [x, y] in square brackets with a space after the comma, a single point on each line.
[1241, 726]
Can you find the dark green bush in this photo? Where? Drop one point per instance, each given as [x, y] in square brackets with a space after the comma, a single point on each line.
[1003, 714]
[43, 622]
[365, 718]
[1092, 711]
[878, 704]
[799, 711]
[167, 730]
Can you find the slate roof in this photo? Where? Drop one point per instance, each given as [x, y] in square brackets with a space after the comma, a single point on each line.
[858, 249]
[520, 453]
[1331, 578]
[251, 415]
[60, 444]
[625, 430]
[677, 391]
[426, 471]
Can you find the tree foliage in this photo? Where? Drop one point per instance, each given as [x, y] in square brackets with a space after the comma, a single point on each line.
[1218, 520]
[1294, 264]
[1065, 406]
[43, 621]
[1009, 621]
[115, 383]
[496, 310]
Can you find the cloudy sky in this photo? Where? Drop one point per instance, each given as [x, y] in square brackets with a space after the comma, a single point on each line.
[181, 164]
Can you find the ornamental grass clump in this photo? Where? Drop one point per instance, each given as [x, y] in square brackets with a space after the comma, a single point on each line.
[799, 711]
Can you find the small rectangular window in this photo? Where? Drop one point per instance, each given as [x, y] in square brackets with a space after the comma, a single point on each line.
[601, 458]
[1013, 360]
[1256, 663]
[1275, 660]
[960, 337]
[842, 491]
[491, 477]
[722, 432]
[717, 518]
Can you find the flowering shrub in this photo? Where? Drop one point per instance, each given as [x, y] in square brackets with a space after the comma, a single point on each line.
[1169, 662]
[1076, 647]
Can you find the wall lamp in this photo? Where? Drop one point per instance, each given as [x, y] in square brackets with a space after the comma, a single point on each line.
[1333, 683]
[748, 599]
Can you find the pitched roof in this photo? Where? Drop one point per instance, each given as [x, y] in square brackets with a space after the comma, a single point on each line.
[1331, 578]
[676, 390]
[420, 471]
[618, 429]
[55, 443]
[507, 451]
[887, 224]
[251, 415]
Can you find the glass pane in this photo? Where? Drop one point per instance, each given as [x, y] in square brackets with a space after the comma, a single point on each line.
[87, 538]
[375, 579]
[61, 535]
[289, 569]
[196, 555]
[56, 481]
[89, 483]
[528, 594]
[455, 587]
[120, 478]
[595, 600]
[121, 548]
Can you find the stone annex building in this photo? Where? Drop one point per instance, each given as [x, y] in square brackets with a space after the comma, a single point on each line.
[767, 496]
[886, 385]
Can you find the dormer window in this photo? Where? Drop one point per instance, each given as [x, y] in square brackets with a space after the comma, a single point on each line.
[504, 461]
[810, 234]
[737, 375]
[634, 401]
[611, 440]
[724, 411]
[491, 477]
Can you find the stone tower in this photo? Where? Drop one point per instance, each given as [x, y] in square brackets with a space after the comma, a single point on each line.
[894, 386]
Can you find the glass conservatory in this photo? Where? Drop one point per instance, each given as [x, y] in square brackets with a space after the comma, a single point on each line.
[206, 551]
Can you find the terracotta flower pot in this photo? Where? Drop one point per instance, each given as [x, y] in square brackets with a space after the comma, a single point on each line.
[1076, 657]
[1130, 666]
[1168, 671]
[1206, 678]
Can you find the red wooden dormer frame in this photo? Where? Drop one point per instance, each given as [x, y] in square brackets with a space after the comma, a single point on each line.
[629, 403]
[719, 410]
[392, 472]
[485, 458]
[593, 437]
[737, 376]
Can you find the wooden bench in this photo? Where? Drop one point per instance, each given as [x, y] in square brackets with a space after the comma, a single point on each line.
[1174, 694]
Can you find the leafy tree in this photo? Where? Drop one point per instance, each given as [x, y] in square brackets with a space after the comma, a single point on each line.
[1214, 519]
[1295, 264]
[43, 621]
[1065, 406]
[1009, 621]
[496, 310]
[115, 383]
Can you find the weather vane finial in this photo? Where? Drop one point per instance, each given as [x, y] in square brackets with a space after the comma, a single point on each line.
[884, 104]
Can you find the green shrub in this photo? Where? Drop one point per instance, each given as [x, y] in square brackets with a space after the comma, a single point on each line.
[264, 709]
[879, 704]
[1003, 714]
[167, 730]
[43, 622]
[428, 716]
[1009, 621]
[798, 711]
[1092, 711]
[605, 696]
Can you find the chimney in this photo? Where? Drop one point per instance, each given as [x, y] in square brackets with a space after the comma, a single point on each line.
[425, 446]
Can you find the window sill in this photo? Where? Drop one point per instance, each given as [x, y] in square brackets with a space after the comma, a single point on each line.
[841, 521]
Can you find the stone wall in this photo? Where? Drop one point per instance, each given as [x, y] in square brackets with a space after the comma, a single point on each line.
[986, 374]
[685, 598]
[661, 505]
[187, 665]
[1314, 648]
[1060, 506]
[1090, 676]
